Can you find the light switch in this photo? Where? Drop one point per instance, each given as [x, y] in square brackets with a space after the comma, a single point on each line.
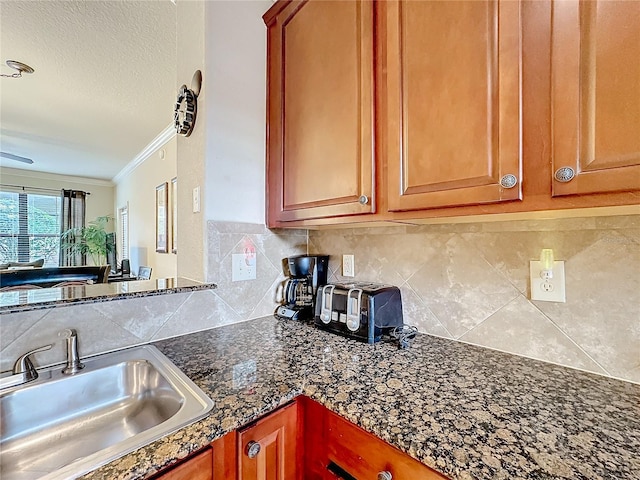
[196, 199]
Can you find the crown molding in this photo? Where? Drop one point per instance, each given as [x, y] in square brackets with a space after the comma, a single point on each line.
[163, 137]
[19, 172]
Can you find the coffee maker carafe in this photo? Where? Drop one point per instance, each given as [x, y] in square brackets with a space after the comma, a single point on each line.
[306, 274]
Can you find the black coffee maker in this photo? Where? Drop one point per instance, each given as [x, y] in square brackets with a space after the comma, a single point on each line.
[306, 273]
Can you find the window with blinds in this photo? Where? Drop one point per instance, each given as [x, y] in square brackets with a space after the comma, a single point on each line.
[123, 234]
[30, 228]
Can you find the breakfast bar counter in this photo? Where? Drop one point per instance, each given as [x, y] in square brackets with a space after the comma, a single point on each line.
[465, 411]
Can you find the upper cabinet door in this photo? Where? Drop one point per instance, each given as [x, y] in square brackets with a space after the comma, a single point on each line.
[595, 62]
[453, 98]
[320, 160]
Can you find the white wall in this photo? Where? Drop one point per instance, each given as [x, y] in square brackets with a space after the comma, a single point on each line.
[225, 154]
[99, 203]
[235, 81]
[191, 150]
[138, 191]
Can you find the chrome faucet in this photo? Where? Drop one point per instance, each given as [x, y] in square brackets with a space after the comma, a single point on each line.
[73, 358]
[24, 366]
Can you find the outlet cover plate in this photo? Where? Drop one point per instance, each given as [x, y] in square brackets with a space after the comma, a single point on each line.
[348, 266]
[552, 290]
[243, 267]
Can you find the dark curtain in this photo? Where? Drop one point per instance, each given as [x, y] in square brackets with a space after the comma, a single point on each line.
[73, 216]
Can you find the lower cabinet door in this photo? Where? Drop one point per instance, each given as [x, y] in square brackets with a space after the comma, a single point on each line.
[198, 467]
[267, 449]
[337, 449]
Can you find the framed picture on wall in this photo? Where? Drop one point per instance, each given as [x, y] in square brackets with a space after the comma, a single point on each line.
[174, 215]
[162, 218]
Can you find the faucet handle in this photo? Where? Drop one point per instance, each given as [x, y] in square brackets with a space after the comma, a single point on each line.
[24, 365]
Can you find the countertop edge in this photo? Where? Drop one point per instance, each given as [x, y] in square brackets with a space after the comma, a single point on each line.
[103, 298]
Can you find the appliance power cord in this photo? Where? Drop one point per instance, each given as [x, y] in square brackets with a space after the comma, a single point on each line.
[404, 335]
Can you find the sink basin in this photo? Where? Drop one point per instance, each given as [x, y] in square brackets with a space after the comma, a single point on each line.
[60, 426]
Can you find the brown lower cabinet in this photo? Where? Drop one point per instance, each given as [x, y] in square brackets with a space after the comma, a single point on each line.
[337, 449]
[302, 440]
[196, 467]
[269, 448]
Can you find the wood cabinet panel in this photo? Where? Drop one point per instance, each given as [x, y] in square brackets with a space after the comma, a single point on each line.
[278, 458]
[453, 100]
[364, 456]
[332, 440]
[225, 457]
[596, 95]
[410, 189]
[320, 158]
[198, 467]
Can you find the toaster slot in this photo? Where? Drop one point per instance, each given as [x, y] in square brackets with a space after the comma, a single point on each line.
[327, 303]
[354, 298]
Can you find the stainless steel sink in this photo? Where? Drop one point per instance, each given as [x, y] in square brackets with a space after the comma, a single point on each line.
[63, 426]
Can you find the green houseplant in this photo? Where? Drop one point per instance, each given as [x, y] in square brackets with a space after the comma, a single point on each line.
[90, 240]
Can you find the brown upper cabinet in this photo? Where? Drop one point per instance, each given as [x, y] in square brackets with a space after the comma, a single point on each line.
[453, 103]
[595, 67]
[406, 110]
[320, 159]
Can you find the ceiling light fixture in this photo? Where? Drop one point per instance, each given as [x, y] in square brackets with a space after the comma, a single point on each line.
[19, 66]
[17, 158]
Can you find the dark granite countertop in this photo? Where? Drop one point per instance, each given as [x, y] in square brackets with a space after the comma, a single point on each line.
[466, 411]
[23, 300]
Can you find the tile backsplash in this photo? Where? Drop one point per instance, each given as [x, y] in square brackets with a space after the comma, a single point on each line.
[470, 282]
[464, 281]
[107, 326]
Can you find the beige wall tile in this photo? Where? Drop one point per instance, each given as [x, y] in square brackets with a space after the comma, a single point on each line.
[13, 325]
[460, 287]
[202, 310]
[510, 252]
[520, 328]
[416, 313]
[142, 316]
[96, 334]
[456, 282]
[617, 222]
[543, 225]
[243, 296]
[602, 312]
[459, 276]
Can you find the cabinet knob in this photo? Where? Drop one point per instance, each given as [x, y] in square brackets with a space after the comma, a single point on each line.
[565, 174]
[253, 449]
[385, 475]
[363, 200]
[509, 181]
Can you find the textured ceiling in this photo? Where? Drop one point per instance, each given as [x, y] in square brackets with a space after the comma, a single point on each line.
[103, 87]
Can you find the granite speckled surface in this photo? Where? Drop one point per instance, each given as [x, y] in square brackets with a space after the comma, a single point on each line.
[26, 300]
[468, 412]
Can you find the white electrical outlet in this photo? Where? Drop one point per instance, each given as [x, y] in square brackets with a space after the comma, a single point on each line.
[243, 267]
[348, 266]
[547, 290]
